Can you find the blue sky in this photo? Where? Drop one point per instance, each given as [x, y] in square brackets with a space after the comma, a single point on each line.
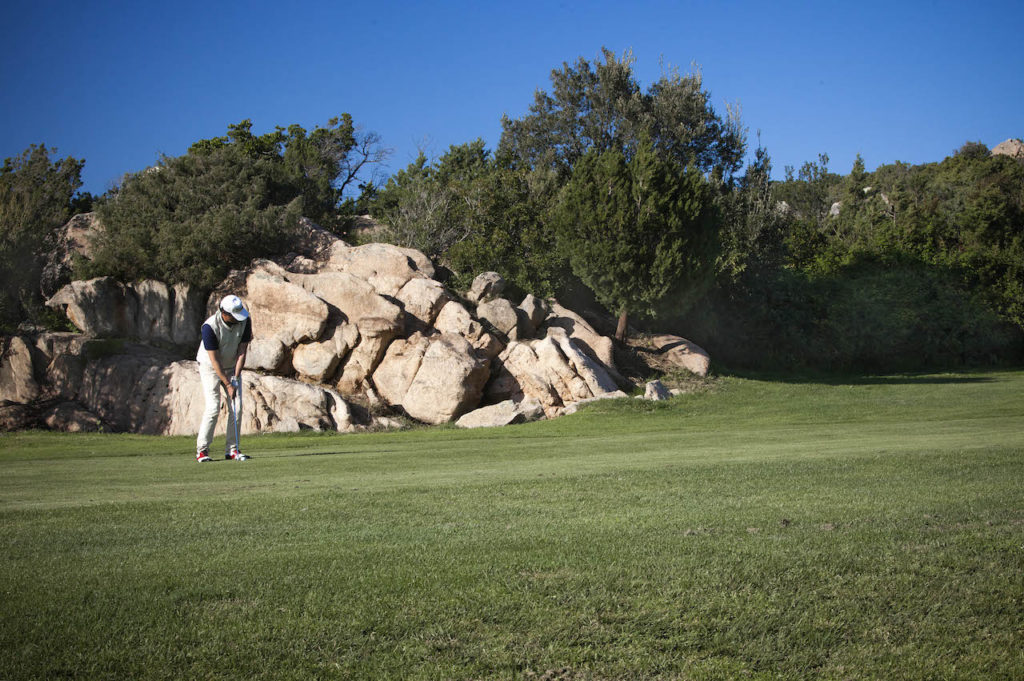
[118, 83]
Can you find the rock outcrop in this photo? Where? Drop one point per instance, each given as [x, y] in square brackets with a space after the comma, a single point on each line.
[74, 239]
[435, 379]
[502, 414]
[682, 354]
[281, 309]
[554, 371]
[148, 311]
[141, 389]
[1014, 148]
[594, 344]
[334, 326]
[17, 378]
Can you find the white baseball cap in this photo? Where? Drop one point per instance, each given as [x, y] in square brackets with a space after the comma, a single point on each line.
[233, 306]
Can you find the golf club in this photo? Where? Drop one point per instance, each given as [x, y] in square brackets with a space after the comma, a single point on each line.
[236, 408]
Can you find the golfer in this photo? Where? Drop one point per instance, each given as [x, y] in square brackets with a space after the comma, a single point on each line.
[221, 356]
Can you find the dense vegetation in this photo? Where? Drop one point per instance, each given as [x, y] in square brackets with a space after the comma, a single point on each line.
[907, 267]
[636, 197]
[228, 200]
[37, 196]
[904, 268]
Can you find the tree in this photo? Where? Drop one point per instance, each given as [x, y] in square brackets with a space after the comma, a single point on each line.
[36, 197]
[324, 165]
[508, 234]
[973, 150]
[598, 106]
[426, 206]
[637, 230]
[472, 214]
[228, 200]
[194, 217]
[754, 224]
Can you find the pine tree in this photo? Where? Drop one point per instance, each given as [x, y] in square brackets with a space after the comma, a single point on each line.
[638, 231]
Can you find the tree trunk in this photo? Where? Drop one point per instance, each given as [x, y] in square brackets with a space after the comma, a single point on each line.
[620, 330]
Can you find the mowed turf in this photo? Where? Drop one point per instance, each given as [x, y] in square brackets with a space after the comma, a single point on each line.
[867, 530]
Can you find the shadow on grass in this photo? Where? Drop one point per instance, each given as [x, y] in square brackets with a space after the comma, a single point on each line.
[823, 378]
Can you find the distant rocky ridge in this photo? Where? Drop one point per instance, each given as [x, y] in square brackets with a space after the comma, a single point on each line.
[1014, 148]
[345, 338]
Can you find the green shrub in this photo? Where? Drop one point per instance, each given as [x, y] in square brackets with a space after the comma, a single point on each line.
[866, 316]
[229, 199]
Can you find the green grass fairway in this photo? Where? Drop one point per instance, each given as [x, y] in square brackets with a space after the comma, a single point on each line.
[762, 530]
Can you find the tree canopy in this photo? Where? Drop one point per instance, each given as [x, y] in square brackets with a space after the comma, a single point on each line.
[599, 106]
[905, 267]
[638, 230]
[229, 199]
[37, 194]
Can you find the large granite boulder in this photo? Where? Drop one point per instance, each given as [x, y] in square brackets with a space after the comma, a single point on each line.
[319, 361]
[387, 268]
[590, 341]
[352, 296]
[433, 379]
[1014, 148]
[456, 319]
[186, 315]
[422, 299]
[594, 375]
[143, 390]
[266, 354]
[555, 371]
[148, 310]
[74, 239]
[282, 310]
[486, 286]
[518, 376]
[375, 335]
[99, 307]
[272, 404]
[500, 314]
[18, 384]
[398, 368]
[534, 312]
[683, 354]
[502, 414]
[64, 356]
[71, 417]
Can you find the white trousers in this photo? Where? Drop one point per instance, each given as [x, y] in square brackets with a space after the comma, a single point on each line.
[211, 392]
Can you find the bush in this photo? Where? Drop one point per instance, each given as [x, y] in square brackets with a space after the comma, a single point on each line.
[229, 199]
[192, 218]
[866, 316]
